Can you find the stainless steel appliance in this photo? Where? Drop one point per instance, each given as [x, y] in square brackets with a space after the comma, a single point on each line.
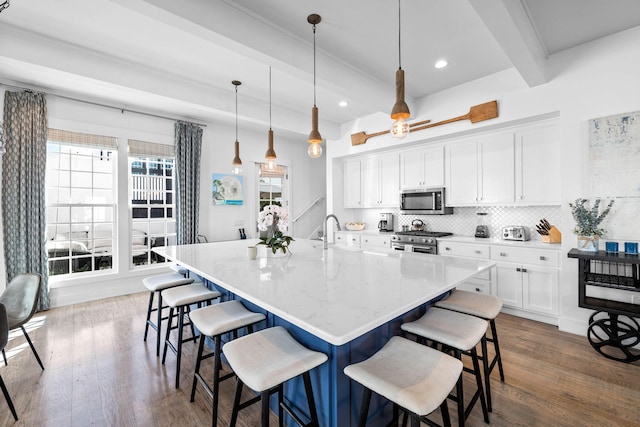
[424, 201]
[386, 222]
[417, 241]
[515, 232]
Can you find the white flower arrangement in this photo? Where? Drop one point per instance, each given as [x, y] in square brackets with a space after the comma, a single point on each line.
[277, 218]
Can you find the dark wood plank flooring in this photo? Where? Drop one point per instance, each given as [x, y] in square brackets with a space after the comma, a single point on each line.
[99, 372]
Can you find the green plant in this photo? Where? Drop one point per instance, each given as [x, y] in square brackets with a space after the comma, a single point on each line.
[588, 219]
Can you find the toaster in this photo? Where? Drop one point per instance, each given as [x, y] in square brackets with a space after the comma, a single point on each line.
[515, 232]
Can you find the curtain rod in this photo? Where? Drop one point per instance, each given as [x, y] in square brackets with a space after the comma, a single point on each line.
[122, 109]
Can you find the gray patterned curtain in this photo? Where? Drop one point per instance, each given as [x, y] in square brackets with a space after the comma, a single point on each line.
[188, 143]
[23, 190]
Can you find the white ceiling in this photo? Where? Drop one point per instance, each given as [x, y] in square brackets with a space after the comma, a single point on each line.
[178, 58]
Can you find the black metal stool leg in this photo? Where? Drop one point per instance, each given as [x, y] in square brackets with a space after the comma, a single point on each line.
[197, 371]
[159, 324]
[280, 405]
[444, 409]
[494, 337]
[313, 413]
[217, 366]
[149, 310]
[167, 335]
[236, 403]
[476, 368]
[179, 347]
[487, 372]
[264, 397]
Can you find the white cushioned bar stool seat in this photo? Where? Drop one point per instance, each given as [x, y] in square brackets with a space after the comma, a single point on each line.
[214, 321]
[181, 298]
[461, 334]
[486, 307]
[412, 376]
[264, 361]
[156, 284]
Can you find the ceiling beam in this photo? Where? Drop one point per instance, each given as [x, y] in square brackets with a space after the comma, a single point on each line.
[510, 23]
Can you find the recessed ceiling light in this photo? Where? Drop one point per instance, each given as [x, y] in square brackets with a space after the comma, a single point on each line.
[441, 63]
[343, 103]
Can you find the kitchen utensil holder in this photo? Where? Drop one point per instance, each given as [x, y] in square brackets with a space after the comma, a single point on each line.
[554, 236]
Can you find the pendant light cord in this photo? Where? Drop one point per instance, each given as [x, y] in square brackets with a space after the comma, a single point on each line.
[269, 98]
[236, 112]
[399, 35]
[314, 65]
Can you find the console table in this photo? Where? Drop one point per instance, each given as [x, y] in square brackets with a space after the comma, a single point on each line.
[613, 330]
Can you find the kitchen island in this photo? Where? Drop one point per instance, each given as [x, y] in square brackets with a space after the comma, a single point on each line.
[344, 302]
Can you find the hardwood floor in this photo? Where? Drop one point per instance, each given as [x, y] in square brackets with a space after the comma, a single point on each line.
[99, 372]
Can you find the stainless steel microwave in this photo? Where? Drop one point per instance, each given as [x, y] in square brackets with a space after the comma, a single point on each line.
[424, 201]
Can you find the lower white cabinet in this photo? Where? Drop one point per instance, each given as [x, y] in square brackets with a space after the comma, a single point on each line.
[346, 239]
[372, 241]
[362, 240]
[527, 278]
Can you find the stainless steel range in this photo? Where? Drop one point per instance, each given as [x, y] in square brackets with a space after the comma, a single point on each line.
[417, 241]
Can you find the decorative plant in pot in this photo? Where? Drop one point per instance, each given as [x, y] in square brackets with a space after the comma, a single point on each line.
[274, 219]
[588, 221]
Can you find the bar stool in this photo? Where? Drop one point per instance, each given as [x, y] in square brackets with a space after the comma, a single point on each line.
[214, 321]
[264, 361]
[155, 285]
[460, 333]
[486, 307]
[181, 298]
[415, 377]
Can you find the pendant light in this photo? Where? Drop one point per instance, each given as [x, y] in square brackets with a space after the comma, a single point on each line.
[315, 139]
[400, 110]
[270, 155]
[237, 163]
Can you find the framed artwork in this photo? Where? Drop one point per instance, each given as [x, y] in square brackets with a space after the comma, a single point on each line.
[226, 189]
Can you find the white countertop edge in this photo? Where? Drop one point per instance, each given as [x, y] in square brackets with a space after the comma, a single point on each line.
[537, 244]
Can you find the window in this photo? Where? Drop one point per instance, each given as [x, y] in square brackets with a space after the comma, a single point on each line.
[80, 199]
[272, 187]
[152, 200]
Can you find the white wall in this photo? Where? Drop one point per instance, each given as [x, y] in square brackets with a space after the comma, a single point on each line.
[592, 80]
[307, 177]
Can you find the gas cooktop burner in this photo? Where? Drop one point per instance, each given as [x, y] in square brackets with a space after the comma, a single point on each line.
[424, 233]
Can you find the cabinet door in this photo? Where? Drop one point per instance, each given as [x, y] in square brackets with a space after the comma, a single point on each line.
[496, 180]
[540, 289]
[352, 184]
[389, 167]
[433, 166]
[370, 182]
[538, 166]
[509, 284]
[462, 173]
[411, 166]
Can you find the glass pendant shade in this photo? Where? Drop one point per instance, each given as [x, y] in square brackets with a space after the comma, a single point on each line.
[315, 151]
[400, 129]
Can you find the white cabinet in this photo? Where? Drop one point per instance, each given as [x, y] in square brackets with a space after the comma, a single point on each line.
[372, 241]
[423, 167]
[352, 184]
[346, 238]
[380, 181]
[538, 165]
[529, 281]
[481, 171]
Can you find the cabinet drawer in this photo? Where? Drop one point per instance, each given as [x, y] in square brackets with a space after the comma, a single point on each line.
[347, 239]
[372, 241]
[482, 288]
[531, 256]
[469, 250]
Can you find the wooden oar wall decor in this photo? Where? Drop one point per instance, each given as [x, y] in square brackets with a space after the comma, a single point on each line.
[477, 113]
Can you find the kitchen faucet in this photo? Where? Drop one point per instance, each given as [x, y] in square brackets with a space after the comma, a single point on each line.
[324, 229]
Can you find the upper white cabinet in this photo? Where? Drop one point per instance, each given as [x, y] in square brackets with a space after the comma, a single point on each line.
[538, 166]
[352, 184]
[372, 181]
[380, 181]
[423, 167]
[481, 170]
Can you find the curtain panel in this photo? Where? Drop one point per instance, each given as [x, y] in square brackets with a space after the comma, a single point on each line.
[23, 187]
[188, 144]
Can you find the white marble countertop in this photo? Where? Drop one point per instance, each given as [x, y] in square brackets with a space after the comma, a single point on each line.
[337, 294]
[496, 241]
